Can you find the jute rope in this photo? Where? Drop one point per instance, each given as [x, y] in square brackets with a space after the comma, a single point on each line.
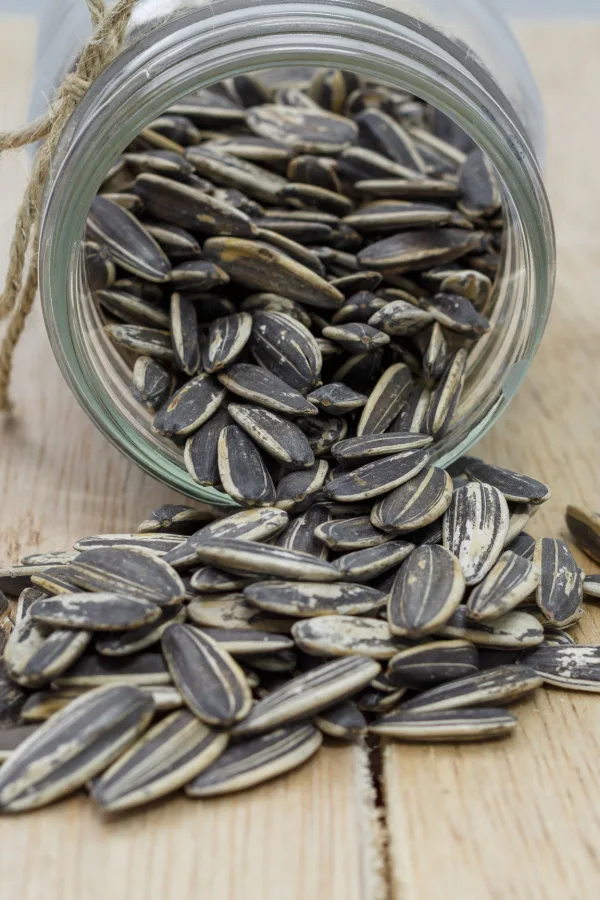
[21, 284]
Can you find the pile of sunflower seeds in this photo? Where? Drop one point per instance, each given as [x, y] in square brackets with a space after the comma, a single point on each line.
[212, 651]
[289, 261]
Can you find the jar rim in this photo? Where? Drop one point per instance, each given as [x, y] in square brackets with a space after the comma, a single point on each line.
[196, 49]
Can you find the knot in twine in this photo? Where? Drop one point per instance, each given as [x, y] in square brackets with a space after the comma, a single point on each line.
[21, 284]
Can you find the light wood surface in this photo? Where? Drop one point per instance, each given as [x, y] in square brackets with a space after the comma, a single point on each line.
[518, 819]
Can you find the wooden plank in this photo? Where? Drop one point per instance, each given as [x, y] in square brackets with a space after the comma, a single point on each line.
[311, 835]
[520, 818]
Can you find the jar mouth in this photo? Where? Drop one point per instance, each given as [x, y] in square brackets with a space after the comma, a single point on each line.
[197, 49]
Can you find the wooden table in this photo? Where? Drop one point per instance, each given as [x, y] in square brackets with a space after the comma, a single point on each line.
[503, 821]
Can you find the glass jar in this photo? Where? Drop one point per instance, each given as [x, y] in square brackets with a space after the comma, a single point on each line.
[458, 56]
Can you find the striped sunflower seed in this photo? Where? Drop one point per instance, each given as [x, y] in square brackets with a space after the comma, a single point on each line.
[274, 303]
[94, 612]
[34, 655]
[43, 704]
[584, 526]
[386, 400]
[395, 215]
[389, 138]
[515, 487]
[201, 449]
[297, 486]
[338, 635]
[186, 206]
[151, 383]
[249, 763]
[371, 562]
[198, 275]
[359, 307]
[502, 685]
[523, 545]
[156, 543]
[100, 266]
[128, 241]
[361, 370]
[352, 284]
[520, 514]
[379, 477]
[437, 355]
[458, 314]
[128, 642]
[274, 663]
[356, 337]
[401, 318]
[135, 573]
[576, 668]
[56, 580]
[263, 387]
[480, 191]
[409, 189]
[91, 670]
[249, 641]
[511, 581]
[344, 721]
[474, 528]
[233, 171]
[560, 588]
[230, 611]
[211, 106]
[312, 195]
[211, 683]
[276, 436]
[184, 334]
[350, 534]
[446, 725]
[554, 636]
[371, 446]
[14, 579]
[303, 130]
[27, 596]
[262, 267]
[73, 746]
[409, 251]
[305, 600]
[337, 399]
[287, 348]
[512, 631]
[189, 407]
[249, 147]
[226, 339]
[373, 701]
[414, 504]
[309, 693]
[212, 581]
[132, 309]
[446, 396]
[180, 519]
[299, 535]
[427, 589]
[591, 586]
[432, 663]
[323, 432]
[265, 559]
[473, 285]
[174, 750]
[242, 471]
[175, 241]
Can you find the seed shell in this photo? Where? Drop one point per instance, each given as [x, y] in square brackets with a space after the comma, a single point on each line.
[338, 635]
[129, 642]
[379, 477]
[576, 668]
[249, 763]
[201, 450]
[512, 631]
[523, 545]
[386, 400]
[184, 334]
[591, 586]
[248, 641]
[172, 517]
[427, 589]
[446, 396]
[371, 446]
[337, 399]
[262, 387]
[94, 612]
[232, 171]
[560, 588]
[155, 543]
[209, 580]
[305, 600]
[276, 436]
[504, 684]
[414, 504]
[128, 241]
[132, 309]
[265, 559]
[34, 655]
[432, 663]
[344, 721]
[299, 535]
[136, 573]
[446, 725]
[480, 192]
[303, 130]
[230, 611]
[299, 485]
[371, 562]
[145, 341]
[409, 251]
[226, 339]
[350, 534]
[509, 583]
[242, 471]
[515, 487]
[92, 670]
[584, 526]
[474, 528]
[189, 407]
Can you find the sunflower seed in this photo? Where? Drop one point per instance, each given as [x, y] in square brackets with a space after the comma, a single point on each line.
[446, 725]
[502, 685]
[512, 631]
[178, 128]
[229, 170]
[400, 318]
[73, 746]
[145, 341]
[389, 137]
[428, 588]
[414, 504]
[350, 534]
[309, 693]
[584, 526]
[591, 586]
[212, 581]
[94, 612]
[356, 282]
[313, 599]
[27, 596]
[43, 704]
[56, 580]
[318, 171]
[386, 400]
[437, 355]
[162, 162]
[100, 266]
[469, 283]
[369, 563]
[576, 667]
[189, 407]
[446, 396]
[303, 130]
[128, 241]
[209, 106]
[177, 518]
[287, 348]
[211, 683]
[175, 241]
[361, 370]
[226, 339]
[164, 759]
[297, 486]
[359, 308]
[141, 638]
[356, 337]
[407, 189]
[262, 559]
[480, 192]
[373, 701]
[338, 635]
[263, 387]
[132, 309]
[260, 759]
[155, 543]
[560, 588]
[379, 477]
[186, 206]
[201, 449]
[323, 432]
[344, 721]
[184, 334]
[282, 661]
[278, 437]
[275, 303]
[14, 579]
[515, 487]
[510, 582]
[34, 654]
[299, 535]
[151, 383]
[231, 611]
[458, 314]
[474, 528]
[250, 147]
[242, 471]
[132, 572]
[523, 545]
[417, 249]
[553, 636]
[429, 664]
[372, 446]
[93, 669]
[249, 641]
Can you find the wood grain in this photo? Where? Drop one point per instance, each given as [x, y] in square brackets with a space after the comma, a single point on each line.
[521, 819]
[311, 835]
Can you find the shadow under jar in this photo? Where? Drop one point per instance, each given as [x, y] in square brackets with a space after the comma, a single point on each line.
[456, 58]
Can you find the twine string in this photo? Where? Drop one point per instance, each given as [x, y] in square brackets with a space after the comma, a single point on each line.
[20, 288]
